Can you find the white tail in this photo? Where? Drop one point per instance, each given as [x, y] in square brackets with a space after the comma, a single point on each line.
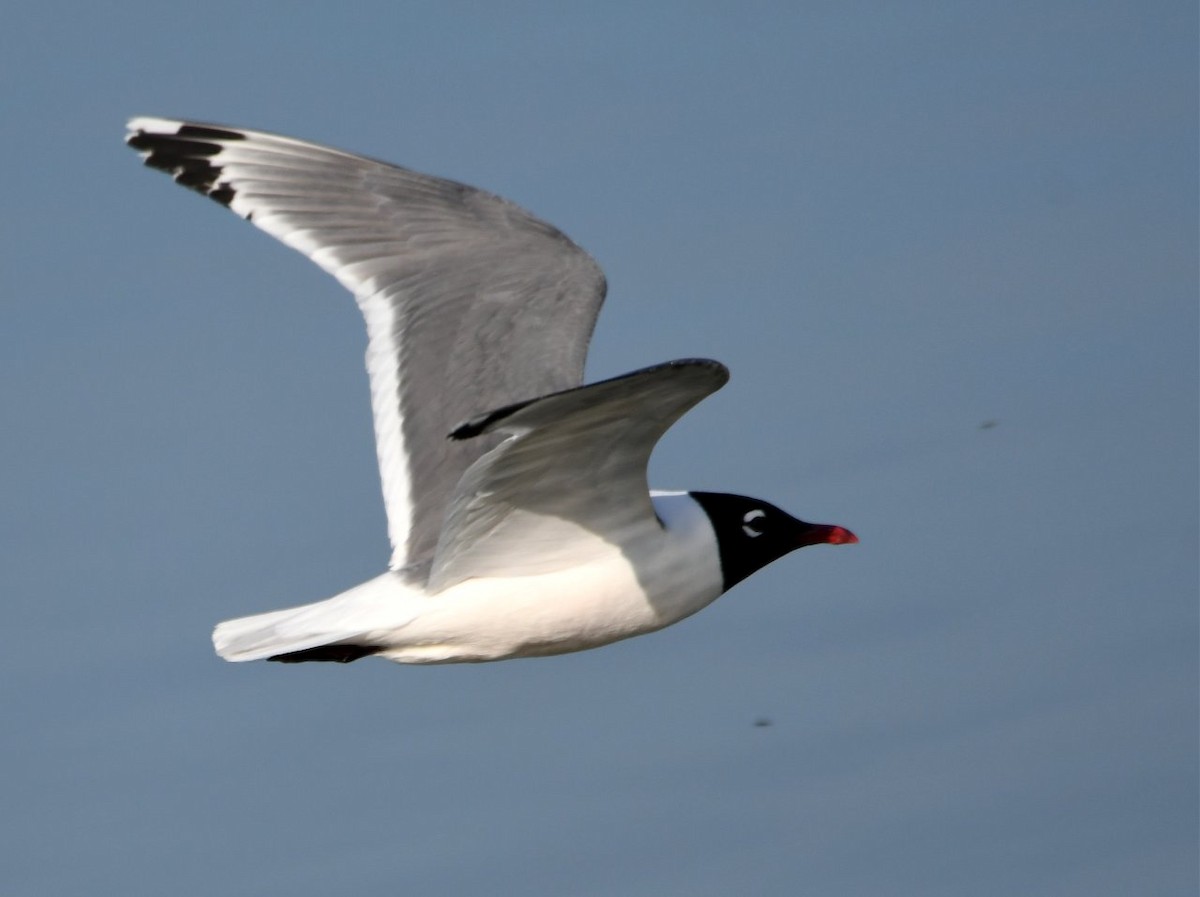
[344, 619]
[266, 635]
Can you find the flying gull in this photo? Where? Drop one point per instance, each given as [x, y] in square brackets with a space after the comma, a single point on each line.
[519, 515]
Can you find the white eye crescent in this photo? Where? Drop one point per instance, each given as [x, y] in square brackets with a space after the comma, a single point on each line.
[748, 519]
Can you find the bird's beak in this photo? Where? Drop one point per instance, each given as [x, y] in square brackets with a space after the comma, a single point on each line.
[824, 534]
[839, 535]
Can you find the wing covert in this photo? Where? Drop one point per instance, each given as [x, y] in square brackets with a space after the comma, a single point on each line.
[575, 460]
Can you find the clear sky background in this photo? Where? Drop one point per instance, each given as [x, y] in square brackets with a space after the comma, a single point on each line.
[949, 252]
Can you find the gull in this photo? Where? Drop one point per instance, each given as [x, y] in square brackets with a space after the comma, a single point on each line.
[519, 513]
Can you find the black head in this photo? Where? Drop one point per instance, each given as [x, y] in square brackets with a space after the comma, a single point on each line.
[753, 533]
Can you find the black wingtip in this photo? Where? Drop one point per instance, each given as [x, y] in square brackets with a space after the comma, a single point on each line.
[484, 422]
[185, 155]
[209, 132]
[468, 430]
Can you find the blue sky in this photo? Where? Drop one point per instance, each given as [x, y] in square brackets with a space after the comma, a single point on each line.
[895, 223]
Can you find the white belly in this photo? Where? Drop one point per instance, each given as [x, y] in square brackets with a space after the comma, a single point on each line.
[669, 574]
[664, 574]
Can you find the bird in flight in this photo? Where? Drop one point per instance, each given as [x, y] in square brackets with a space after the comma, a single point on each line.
[518, 510]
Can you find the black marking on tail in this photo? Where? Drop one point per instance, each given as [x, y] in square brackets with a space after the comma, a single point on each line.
[184, 155]
[329, 654]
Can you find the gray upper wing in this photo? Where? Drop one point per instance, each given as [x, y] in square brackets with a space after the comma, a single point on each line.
[470, 302]
[570, 476]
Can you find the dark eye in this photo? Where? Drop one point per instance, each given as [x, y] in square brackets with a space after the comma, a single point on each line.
[751, 522]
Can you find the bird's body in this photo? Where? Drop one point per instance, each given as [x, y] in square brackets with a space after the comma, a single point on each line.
[518, 510]
[609, 597]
